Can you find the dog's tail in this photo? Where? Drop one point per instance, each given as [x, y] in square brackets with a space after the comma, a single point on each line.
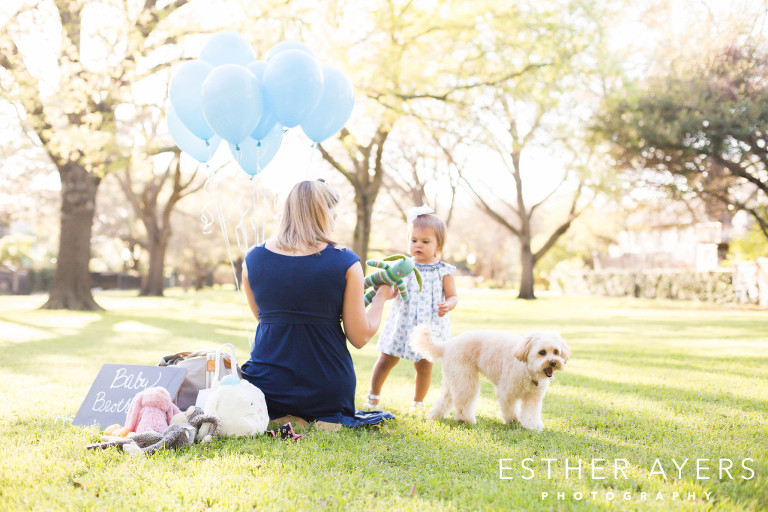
[422, 342]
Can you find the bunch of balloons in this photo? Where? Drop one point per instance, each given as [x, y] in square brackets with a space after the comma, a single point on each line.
[228, 94]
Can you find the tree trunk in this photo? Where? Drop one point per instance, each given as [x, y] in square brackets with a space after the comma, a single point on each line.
[71, 287]
[365, 183]
[526, 273]
[155, 282]
[362, 227]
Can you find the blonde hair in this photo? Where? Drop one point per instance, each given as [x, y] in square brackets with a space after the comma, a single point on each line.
[307, 217]
[434, 223]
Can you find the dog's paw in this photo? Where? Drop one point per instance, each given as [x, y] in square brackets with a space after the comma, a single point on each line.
[536, 426]
[436, 414]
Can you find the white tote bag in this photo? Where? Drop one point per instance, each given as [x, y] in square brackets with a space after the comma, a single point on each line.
[213, 379]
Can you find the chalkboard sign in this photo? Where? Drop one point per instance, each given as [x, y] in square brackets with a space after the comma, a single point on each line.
[116, 384]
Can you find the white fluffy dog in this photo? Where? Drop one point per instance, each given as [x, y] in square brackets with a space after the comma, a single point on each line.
[519, 366]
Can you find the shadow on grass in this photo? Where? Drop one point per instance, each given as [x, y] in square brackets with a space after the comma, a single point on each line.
[102, 336]
[584, 429]
[747, 365]
[694, 399]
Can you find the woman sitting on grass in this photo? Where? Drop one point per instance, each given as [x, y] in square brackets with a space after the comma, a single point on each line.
[301, 287]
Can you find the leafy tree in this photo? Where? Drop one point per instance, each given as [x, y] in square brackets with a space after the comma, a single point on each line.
[419, 173]
[364, 170]
[28, 198]
[699, 130]
[15, 250]
[558, 50]
[750, 245]
[407, 61]
[153, 200]
[70, 106]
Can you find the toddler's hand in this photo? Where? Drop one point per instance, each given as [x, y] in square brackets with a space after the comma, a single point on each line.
[442, 309]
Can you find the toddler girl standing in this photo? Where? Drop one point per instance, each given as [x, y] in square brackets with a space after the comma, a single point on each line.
[427, 234]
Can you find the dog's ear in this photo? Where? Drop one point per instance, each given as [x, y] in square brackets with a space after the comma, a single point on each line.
[565, 350]
[521, 351]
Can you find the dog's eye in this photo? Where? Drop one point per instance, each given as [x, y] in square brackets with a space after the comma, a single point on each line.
[557, 351]
[542, 352]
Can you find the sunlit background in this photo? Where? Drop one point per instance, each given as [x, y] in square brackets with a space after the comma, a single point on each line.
[478, 100]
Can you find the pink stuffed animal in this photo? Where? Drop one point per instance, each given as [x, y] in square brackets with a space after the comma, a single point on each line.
[152, 409]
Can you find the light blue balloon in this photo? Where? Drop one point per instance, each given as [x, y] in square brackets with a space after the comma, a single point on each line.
[253, 156]
[267, 120]
[289, 45]
[186, 98]
[197, 148]
[293, 85]
[230, 380]
[227, 48]
[335, 106]
[232, 102]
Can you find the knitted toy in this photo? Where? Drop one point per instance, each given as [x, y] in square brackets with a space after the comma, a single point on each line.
[206, 426]
[174, 437]
[391, 274]
[151, 409]
[185, 428]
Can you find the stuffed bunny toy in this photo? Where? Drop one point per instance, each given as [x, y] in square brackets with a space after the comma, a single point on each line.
[391, 274]
[240, 407]
[151, 409]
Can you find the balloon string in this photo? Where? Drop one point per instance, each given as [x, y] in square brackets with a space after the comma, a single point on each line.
[240, 294]
[238, 154]
[311, 161]
[275, 215]
[264, 217]
[259, 148]
[241, 231]
[211, 150]
[205, 215]
[255, 217]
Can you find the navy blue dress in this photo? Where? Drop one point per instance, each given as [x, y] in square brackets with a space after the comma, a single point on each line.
[300, 358]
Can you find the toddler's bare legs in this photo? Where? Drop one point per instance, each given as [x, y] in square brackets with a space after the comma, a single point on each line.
[423, 379]
[381, 370]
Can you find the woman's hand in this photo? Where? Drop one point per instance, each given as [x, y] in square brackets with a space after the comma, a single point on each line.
[386, 292]
[360, 325]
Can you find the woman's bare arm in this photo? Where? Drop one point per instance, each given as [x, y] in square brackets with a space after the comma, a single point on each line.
[249, 294]
[360, 325]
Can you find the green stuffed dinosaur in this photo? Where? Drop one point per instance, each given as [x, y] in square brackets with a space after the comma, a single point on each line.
[391, 274]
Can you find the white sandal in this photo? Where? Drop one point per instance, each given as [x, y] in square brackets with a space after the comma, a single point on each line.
[369, 405]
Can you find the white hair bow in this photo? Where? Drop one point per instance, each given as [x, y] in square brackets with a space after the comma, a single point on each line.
[416, 211]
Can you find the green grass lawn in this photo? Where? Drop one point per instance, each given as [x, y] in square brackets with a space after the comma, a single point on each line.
[649, 385]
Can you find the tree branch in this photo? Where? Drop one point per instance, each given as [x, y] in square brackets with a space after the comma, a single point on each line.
[336, 165]
[490, 211]
[491, 83]
[560, 231]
